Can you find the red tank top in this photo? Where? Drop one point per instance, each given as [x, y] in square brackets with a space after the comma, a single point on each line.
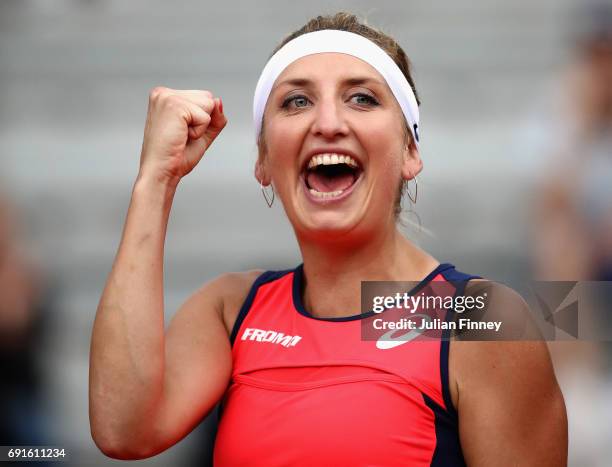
[309, 391]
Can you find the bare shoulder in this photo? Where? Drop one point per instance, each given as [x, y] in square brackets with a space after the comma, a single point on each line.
[516, 346]
[228, 291]
[507, 388]
[235, 287]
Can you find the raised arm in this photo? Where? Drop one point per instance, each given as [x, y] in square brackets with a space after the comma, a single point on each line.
[137, 409]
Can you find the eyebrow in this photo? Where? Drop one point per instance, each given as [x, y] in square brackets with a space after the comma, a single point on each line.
[355, 81]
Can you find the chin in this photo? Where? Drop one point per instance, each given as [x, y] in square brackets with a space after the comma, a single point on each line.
[331, 227]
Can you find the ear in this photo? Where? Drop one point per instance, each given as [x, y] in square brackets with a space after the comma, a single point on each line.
[412, 164]
[260, 173]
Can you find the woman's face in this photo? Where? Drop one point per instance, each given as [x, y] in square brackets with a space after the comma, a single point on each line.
[325, 108]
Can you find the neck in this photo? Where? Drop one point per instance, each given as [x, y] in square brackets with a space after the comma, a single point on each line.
[333, 272]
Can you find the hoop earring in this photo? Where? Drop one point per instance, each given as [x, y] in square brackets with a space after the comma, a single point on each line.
[416, 190]
[269, 198]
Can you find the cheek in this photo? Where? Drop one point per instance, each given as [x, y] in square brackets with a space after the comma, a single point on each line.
[284, 142]
[382, 128]
[284, 139]
[385, 153]
[384, 150]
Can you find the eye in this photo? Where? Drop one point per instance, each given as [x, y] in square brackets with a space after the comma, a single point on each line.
[299, 101]
[365, 99]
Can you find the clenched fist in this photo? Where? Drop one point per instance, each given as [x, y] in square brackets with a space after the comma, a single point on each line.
[180, 127]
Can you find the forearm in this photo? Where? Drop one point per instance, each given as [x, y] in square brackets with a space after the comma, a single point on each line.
[127, 353]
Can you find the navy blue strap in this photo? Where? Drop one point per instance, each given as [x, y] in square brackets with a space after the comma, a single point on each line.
[264, 278]
[460, 280]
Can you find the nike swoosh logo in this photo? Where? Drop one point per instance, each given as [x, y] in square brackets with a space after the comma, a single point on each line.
[387, 341]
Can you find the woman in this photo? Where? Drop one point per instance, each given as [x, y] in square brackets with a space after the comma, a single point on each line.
[337, 130]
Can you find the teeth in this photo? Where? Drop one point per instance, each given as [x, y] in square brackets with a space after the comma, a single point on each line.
[331, 159]
[331, 194]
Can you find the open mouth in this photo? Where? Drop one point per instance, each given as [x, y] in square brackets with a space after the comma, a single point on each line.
[330, 175]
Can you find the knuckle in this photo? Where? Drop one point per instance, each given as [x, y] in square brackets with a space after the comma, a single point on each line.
[156, 93]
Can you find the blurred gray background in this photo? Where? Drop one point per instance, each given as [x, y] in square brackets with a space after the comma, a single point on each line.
[75, 77]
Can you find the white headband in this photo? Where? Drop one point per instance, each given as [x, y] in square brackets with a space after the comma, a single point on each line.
[331, 40]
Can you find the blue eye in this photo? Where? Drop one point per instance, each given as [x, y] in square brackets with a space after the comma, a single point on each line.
[367, 99]
[297, 99]
[302, 101]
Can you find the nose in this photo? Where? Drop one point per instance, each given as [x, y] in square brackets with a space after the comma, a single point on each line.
[329, 119]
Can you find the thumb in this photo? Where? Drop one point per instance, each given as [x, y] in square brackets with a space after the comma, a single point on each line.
[194, 150]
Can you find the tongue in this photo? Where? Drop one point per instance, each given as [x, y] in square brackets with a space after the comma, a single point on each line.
[324, 183]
